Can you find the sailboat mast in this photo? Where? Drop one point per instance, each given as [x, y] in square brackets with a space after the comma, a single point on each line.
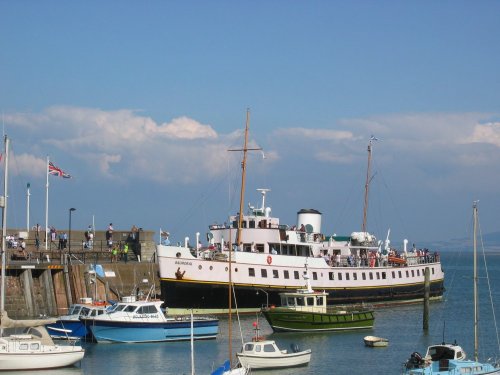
[367, 185]
[475, 284]
[243, 180]
[4, 222]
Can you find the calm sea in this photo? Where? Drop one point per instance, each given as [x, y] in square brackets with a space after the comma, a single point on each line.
[332, 353]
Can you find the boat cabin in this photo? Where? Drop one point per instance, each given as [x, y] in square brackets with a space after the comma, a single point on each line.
[304, 300]
[445, 351]
[262, 348]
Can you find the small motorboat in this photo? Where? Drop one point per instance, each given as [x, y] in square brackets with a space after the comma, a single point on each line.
[375, 342]
[266, 355]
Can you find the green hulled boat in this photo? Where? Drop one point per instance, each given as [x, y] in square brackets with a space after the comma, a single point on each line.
[306, 310]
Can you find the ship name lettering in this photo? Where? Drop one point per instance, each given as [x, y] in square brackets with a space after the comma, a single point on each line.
[183, 263]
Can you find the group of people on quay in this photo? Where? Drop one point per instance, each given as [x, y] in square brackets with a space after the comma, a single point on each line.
[24, 248]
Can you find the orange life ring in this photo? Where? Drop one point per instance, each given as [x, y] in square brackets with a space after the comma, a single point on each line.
[269, 259]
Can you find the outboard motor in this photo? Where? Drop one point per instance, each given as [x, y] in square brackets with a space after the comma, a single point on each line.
[415, 361]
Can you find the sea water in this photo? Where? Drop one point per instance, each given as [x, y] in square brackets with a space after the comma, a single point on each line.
[332, 353]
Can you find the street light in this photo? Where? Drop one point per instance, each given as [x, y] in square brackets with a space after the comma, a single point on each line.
[267, 296]
[69, 236]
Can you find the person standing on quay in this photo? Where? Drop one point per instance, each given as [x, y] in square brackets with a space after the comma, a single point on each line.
[125, 252]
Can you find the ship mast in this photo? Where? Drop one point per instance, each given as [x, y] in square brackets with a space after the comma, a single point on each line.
[238, 230]
[367, 183]
[475, 284]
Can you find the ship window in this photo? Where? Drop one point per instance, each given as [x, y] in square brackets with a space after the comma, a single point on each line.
[129, 308]
[331, 275]
[260, 248]
[363, 275]
[257, 348]
[315, 276]
[200, 267]
[371, 275]
[269, 348]
[236, 270]
[393, 274]
[296, 274]
[275, 274]
[432, 270]
[290, 301]
[300, 301]
[399, 274]
[251, 272]
[384, 276]
[407, 274]
[248, 347]
[310, 301]
[211, 268]
[418, 273]
[23, 346]
[251, 224]
[378, 275]
[339, 276]
[355, 275]
[263, 272]
[286, 275]
[35, 346]
[412, 273]
[347, 276]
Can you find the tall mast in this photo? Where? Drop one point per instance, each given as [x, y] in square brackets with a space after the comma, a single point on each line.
[475, 284]
[243, 179]
[4, 223]
[367, 183]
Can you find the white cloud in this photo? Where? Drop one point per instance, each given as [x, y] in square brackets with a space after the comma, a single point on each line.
[485, 133]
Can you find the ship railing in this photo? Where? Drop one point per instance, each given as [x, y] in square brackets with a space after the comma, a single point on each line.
[369, 262]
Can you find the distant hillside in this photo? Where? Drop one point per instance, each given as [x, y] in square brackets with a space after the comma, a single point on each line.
[491, 242]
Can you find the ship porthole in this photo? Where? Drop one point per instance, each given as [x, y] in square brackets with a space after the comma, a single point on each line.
[178, 255]
[226, 268]
[235, 270]
[211, 268]
[200, 267]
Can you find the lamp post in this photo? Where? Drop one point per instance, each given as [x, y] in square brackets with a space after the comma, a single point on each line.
[69, 236]
[267, 296]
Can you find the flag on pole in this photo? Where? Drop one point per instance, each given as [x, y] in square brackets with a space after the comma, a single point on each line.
[55, 171]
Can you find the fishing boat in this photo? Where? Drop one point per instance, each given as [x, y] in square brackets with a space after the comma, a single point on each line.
[26, 344]
[306, 310]
[448, 359]
[70, 326]
[132, 321]
[375, 342]
[269, 256]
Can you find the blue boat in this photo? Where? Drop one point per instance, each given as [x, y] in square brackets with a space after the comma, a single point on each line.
[70, 326]
[132, 321]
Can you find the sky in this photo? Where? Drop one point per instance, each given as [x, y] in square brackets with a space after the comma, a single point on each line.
[140, 101]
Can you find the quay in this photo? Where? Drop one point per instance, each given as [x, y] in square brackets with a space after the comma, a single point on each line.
[45, 282]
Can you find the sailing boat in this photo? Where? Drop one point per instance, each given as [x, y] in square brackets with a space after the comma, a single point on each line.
[447, 359]
[227, 368]
[33, 349]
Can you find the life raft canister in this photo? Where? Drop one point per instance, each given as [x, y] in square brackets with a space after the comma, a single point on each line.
[269, 259]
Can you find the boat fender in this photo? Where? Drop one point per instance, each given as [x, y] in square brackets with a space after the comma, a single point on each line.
[269, 259]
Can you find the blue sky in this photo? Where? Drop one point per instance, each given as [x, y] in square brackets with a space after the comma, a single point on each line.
[140, 102]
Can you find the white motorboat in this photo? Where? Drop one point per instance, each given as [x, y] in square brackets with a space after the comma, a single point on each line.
[375, 342]
[266, 355]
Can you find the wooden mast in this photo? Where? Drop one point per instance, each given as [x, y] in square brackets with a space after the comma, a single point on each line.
[238, 230]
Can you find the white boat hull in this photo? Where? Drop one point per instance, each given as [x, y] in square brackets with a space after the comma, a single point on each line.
[39, 361]
[268, 362]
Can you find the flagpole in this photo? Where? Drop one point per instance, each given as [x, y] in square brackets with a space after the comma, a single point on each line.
[28, 207]
[47, 205]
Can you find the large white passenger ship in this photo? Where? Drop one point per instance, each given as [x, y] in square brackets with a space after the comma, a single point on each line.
[271, 258]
